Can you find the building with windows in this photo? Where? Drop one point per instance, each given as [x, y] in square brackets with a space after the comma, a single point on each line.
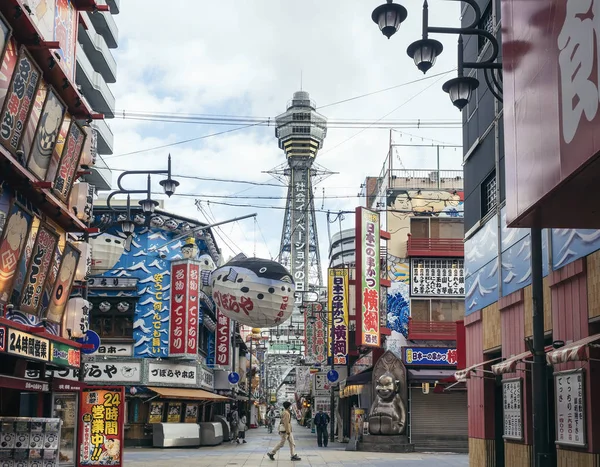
[96, 70]
[518, 177]
[133, 289]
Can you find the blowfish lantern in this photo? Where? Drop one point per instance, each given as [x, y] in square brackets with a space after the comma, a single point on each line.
[254, 292]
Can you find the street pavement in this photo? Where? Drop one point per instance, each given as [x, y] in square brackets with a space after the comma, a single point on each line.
[254, 454]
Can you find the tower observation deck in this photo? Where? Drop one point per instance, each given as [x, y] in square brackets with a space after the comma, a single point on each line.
[301, 131]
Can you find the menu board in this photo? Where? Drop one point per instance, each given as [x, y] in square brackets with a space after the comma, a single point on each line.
[513, 408]
[29, 442]
[570, 408]
[155, 414]
[174, 414]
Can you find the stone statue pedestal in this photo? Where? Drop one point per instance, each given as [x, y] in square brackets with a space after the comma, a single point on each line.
[382, 443]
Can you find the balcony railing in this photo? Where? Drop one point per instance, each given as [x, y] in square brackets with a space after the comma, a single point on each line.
[431, 330]
[435, 246]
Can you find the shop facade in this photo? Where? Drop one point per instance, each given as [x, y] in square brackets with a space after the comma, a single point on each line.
[147, 292]
[499, 329]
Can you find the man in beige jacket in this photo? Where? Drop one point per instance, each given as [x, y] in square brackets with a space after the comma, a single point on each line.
[285, 431]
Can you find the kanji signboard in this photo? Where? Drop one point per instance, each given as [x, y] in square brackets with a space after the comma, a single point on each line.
[570, 408]
[338, 311]
[367, 275]
[183, 325]
[429, 356]
[513, 408]
[102, 419]
[223, 332]
[437, 277]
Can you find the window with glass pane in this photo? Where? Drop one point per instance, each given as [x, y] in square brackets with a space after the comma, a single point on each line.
[419, 310]
[419, 228]
[488, 195]
[447, 228]
[108, 321]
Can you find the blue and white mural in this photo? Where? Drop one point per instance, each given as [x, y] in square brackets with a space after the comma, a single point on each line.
[147, 256]
[482, 255]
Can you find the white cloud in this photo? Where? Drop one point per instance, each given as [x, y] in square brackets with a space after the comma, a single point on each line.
[246, 58]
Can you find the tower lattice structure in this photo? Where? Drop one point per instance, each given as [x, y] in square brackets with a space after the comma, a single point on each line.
[301, 131]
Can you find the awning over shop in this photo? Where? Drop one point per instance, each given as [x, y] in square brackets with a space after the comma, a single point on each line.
[573, 352]
[353, 385]
[430, 375]
[191, 394]
[510, 364]
[461, 376]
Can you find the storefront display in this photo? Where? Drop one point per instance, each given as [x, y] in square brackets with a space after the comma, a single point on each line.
[64, 407]
[29, 442]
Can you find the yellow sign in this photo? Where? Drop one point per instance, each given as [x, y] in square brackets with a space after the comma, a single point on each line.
[337, 291]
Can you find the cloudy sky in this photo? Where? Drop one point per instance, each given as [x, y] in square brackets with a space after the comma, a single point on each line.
[247, 58]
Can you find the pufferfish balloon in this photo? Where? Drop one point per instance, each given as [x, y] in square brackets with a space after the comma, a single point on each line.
[255, 292]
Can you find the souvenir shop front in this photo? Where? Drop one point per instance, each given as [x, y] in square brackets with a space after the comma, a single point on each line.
[27, 351]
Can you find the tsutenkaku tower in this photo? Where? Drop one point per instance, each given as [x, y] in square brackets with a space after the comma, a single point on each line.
[301, 131]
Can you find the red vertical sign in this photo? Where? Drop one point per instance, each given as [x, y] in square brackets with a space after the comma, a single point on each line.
[223, 336]
[179, 303]
[191, 346]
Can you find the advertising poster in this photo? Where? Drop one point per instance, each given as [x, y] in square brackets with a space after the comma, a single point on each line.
[155, 412]
[62, 285]
[8, 46]
[368, 274]
[32, 121]
[69, 162]
[174, 413]
[179, 302]
[338, 305]
[102, 418]
[46, 135]
[39, 266]
[191, 413]
[14, 239]
[19, 101]
[58, 148]
[223, 338]
[24, 261]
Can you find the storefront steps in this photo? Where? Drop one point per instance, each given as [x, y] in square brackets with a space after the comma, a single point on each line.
[379, 443]
[456, 444]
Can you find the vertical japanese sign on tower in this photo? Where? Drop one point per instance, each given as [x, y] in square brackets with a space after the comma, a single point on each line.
[300, 241]
[183, 325]
[367, 277]
[337, 292]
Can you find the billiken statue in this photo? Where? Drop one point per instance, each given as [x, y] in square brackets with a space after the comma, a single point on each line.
[388, 413]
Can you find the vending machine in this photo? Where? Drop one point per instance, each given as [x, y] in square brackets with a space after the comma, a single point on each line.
[29, 442]
[65, 407]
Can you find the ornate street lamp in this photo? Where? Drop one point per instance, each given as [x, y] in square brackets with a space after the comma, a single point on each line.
[425, 51]
[388, 17]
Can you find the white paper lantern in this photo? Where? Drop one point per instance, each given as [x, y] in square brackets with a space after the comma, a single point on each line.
[88, 154]
[76, 319]
[81, 200]
[255, 292]
[85, 261]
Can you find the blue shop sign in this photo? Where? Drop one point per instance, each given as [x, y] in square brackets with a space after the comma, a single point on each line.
[429, 356]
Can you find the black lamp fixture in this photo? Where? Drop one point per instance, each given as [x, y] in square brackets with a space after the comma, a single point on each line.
[148, 205]
[127, 225]
[169, 185]
[425, 51]
[388, 17]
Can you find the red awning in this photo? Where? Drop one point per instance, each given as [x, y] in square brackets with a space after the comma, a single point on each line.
[510, 364]
[572, 352]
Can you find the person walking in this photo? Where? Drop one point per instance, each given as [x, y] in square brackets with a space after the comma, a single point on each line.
[235, 422]
[321, 421]
[271, 419]
[242, 429]
[285, 431]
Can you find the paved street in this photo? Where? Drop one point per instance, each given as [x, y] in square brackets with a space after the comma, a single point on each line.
[259, 442]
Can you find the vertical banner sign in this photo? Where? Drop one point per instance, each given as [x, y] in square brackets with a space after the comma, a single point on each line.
[300, 241]
[9, 62]
[179, 302]
[223, 337]
[338, 305]
[101, 426]
[39, 266]
[157, 348]
[569, 392]
[320, 336]
[309, 333]
[14, 239]
[18, 102]
[367, 275]
[191, 346]
[69, 162]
